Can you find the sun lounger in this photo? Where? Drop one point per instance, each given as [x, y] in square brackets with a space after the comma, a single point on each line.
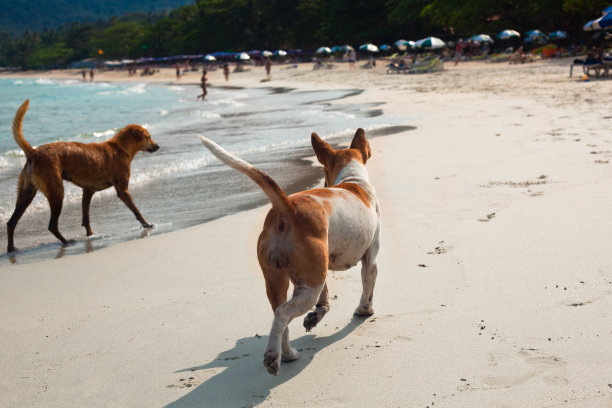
[575, 62]
[595, 68]
[434, 65]
[397, 69]
[322, 65]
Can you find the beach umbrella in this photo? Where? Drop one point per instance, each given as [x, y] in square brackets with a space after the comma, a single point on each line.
[607, 10]
[535, 36]
[557, 35]
[266, 53]
[280, 53]
[588, 26]
[404, 44]
[385, 47]
[368, 47]
[243, 56]
[482, 38]
[323, 50]
[347, 48]
[603, 22]
[430, 42]
[209, 58]
[506, 34]
[336, 48]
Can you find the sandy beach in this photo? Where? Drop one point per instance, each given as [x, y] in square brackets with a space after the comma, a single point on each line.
[494, 285]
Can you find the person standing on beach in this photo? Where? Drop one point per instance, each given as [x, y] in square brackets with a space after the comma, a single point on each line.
[268, 68]
[84, 74]
[458, 50]
[178, 71]
[91, 74]
[203, 85]
[352, 58]
[226, 71]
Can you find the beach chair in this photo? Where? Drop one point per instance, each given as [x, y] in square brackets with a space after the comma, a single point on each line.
[517, 58]
[322, 65]
[397, 69]
[434, 65]
[575, 62]
[595, 68]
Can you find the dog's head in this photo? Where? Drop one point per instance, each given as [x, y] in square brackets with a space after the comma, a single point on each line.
[334, 161]
[139, 137]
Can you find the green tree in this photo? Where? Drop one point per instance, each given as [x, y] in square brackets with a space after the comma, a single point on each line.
[78, 38]
[122, 39]
[52, 56]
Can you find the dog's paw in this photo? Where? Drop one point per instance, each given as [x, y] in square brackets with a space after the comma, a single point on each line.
[290, 355]
[364, 311]
[311, 321]
[272, 362]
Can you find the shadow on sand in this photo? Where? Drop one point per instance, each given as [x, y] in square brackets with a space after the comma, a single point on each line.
[243, 381]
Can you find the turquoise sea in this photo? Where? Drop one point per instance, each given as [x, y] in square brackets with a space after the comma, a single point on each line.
[181, 184]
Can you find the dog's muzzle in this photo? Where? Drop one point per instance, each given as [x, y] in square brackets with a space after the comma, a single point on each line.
[153, 148]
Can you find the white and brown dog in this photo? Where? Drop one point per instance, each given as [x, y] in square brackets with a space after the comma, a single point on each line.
[313, 231]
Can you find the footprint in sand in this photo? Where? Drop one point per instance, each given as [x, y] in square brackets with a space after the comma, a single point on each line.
[440, 249]
[488, 218]
[524, 366]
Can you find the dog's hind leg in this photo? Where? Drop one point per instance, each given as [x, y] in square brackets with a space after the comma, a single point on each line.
[313, 318]
[277, 283]
[87, 196]
[369, 270]
[25, 194]
[303, 299]
[55, 195]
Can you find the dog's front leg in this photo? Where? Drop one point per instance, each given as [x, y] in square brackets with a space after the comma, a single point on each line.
[303, 299]
[125, 196]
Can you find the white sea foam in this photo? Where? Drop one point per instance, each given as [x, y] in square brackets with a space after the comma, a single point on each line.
[207, 114]
[227, 102]
[14, 153]
[138, 88]
[105, 134]
[71, 82]
[45, 81]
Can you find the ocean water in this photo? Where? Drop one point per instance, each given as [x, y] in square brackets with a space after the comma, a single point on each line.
[181, 184]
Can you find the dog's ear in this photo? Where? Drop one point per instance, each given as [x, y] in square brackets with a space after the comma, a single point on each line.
[134, 131]
[361, 143]
[322, 149]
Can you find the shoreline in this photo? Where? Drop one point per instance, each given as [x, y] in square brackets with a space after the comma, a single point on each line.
[308, 178]
[494, 285]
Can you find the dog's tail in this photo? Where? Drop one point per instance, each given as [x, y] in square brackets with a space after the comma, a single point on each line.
[18, 132]
[275, 194]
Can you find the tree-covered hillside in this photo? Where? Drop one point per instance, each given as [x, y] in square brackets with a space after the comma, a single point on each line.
[205, 26]
[17, 16]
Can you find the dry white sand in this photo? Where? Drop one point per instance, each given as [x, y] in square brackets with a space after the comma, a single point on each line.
[494, 285]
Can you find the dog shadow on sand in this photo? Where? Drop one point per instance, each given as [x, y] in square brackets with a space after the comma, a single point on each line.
[241, 379]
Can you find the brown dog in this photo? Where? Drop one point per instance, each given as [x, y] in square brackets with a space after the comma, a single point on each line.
[93, 167]
[313, 231]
